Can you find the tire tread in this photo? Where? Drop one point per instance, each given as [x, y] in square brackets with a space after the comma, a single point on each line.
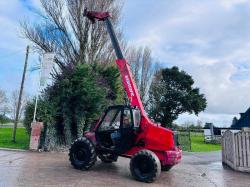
[91, 148]
[156, 162]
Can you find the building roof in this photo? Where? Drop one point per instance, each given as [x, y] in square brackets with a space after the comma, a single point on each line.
[244, 120]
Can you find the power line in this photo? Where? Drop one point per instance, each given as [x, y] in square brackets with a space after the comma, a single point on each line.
[11, 54]
[14, 53]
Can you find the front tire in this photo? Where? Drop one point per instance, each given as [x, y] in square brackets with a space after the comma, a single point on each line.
[82, 153]
[145, 166]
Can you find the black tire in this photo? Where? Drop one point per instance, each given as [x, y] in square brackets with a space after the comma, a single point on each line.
[145, 166]
[82, 153]
[108, 157]
[166, 168]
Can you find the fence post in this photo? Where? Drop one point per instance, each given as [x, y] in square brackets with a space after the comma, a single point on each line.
[234, 154]
[240, 149]
[248, 149]
[236, 150]
[244, 149]
[190, 139]
[223, 147]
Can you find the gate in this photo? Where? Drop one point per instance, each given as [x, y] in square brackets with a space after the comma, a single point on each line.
[236, 150]
[184, 139]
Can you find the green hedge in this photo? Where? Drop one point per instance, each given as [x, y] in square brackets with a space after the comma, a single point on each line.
[75, 99]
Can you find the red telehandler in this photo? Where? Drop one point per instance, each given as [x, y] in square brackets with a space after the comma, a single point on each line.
[126, 130]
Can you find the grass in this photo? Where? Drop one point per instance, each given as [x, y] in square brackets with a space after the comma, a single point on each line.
[22, 141]
[198, 144]
[10, 125]
[22, 138]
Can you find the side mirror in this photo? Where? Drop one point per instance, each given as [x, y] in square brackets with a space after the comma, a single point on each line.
[137, 119]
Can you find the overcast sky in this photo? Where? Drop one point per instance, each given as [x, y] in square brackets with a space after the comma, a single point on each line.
[209, 39]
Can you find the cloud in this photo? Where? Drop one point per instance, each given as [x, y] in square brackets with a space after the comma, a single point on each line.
[220, 120]
[208, 39]
[232, 3]
[9, 25]
[13, 46]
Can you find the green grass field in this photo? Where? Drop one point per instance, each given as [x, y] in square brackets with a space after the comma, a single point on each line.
[22, 141]
[10, 125]
[198, 144]
[22, 138]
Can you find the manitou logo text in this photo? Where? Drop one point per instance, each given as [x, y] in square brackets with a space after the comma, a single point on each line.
[129, 85]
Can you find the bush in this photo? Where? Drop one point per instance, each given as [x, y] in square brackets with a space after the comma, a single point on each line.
[4, 119]
[74, 101]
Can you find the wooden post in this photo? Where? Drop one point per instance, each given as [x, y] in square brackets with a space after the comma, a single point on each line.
[248, 149]
[223, 148]
[190, 139]
[234, 151]
[244, 156]
[236, 148]
[20, 95]
[240, 149]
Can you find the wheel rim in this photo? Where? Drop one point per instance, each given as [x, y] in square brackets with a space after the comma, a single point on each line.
[80, 155]
[143, 166]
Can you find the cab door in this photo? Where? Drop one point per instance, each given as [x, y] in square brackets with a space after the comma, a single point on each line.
[111, 123]
[127, 131]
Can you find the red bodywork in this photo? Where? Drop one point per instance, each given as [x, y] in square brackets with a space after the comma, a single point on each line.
[100, 16]
[157, 139]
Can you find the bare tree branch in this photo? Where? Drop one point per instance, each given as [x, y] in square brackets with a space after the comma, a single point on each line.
[14, 102]
[143, 68]
[64, 30]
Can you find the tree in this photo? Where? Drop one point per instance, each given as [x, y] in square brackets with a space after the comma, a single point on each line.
[3, 102]
[3, 97]
[4, 119]
[75, 101]
[64, 30]
[84, 81]
[171, 94]
[143, 68]
[13, 104]
[199, 124]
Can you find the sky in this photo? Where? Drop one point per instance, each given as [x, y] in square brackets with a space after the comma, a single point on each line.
[209, 39]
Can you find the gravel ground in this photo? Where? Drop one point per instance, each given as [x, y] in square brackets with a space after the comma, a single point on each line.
[53, 169]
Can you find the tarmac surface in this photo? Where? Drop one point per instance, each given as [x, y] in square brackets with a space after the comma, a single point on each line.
[54, 169]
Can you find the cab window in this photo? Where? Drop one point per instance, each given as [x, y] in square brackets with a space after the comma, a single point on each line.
[111, 120]
[127, 118]
[137, 118]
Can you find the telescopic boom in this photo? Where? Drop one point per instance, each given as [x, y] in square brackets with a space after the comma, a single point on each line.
[128, 82]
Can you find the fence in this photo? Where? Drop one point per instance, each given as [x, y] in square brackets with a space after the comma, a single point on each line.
[236, 150]
[187, 138]
[184, 139]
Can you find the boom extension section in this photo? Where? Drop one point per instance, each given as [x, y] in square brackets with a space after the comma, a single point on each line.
[127, 80]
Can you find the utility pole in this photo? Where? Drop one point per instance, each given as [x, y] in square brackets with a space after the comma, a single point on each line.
[20, 95]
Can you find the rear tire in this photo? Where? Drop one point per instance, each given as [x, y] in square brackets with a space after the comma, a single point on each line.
[108, 157]
[82, 153]
[166, 168]
[145, 166]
